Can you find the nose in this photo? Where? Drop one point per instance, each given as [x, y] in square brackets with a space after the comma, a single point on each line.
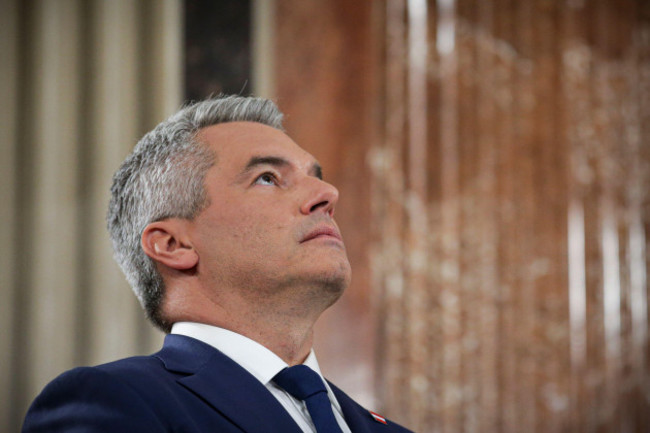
[322, 197]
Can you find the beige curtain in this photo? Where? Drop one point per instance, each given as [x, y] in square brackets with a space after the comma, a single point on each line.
[80, 82]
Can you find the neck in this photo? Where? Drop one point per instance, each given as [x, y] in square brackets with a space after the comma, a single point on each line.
[285, 329]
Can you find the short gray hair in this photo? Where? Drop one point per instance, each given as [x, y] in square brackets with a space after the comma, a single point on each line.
[164, 178]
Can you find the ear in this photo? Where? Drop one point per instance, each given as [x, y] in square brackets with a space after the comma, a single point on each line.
[164, 241]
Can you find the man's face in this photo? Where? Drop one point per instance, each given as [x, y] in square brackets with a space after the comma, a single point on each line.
[268, 230]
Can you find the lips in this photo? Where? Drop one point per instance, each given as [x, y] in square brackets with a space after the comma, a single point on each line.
[323, 231]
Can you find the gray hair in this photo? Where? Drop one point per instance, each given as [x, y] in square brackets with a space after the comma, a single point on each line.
[164, 178]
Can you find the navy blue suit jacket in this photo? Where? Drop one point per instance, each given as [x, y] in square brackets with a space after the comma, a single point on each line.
[188, 386]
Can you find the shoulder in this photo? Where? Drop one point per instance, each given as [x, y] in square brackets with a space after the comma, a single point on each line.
[357, 415]
[109, 397]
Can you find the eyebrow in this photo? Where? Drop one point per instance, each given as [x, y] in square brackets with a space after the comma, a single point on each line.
[279, 162]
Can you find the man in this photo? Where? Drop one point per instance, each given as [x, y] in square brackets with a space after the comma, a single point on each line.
[224, 228]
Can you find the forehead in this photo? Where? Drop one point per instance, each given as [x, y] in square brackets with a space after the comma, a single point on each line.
[234, 143]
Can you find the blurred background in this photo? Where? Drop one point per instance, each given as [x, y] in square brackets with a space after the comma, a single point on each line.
[493, 158]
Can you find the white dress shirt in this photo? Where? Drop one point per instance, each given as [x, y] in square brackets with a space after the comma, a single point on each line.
[264, 365]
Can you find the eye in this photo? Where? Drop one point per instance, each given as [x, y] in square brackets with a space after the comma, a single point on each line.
[266, 179]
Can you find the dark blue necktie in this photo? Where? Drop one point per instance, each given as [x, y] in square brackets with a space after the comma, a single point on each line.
[305, 384]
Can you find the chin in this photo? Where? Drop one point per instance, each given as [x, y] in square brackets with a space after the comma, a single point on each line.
[332, 284]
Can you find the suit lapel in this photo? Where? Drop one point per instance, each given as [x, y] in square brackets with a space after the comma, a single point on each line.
[226, 386]
[358, 419]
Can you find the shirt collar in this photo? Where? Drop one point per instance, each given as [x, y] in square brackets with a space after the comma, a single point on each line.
[255, 358]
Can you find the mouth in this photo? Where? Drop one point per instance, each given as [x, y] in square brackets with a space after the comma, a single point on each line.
[323, 232]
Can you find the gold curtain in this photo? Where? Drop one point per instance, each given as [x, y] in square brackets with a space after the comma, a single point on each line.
[512, 205]
[80, 81]
[493, 159]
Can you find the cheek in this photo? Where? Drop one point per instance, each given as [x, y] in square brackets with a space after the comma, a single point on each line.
[255, 230]
[249, 233]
